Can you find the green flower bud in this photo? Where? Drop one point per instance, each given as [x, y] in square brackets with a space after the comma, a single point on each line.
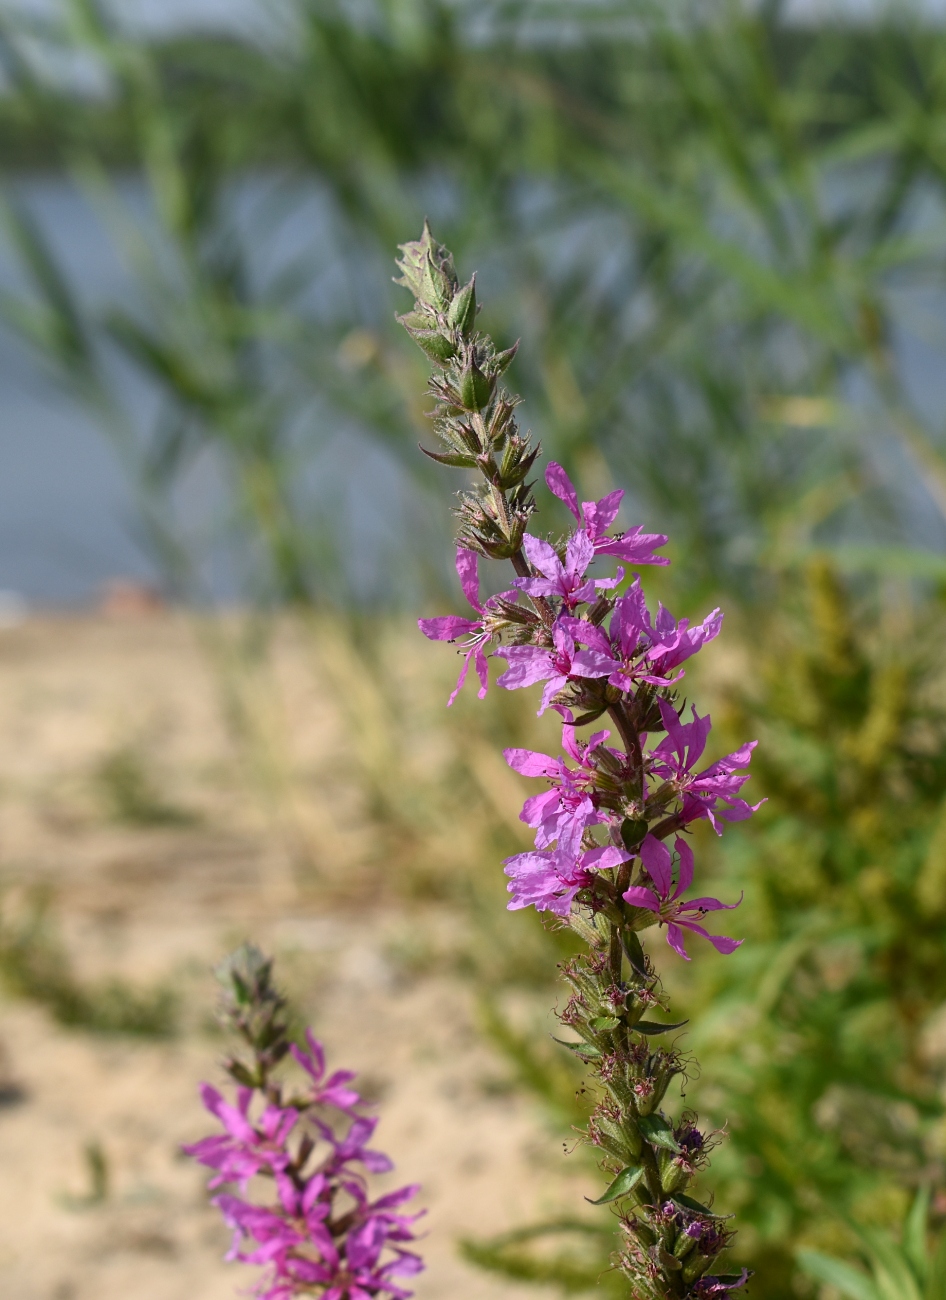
[476, 389]
[462, 312]
[438, 347]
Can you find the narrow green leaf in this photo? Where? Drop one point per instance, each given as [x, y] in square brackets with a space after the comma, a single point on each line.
[651, 1027]
[456, 462]
[604, 1023]
[691, 1204]
[850, 1281]
[658, 1132]
[579, 1048]
[625, 1182]
[936, 1277]
[914, 1234]
[634, 951]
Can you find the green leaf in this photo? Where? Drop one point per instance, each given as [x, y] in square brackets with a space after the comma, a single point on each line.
[914, 1234]
[691, 1204]
[658, 1132]
[651, 1027]
[580, 1048]
[936, 1277]
[625, 1182]
[633, 830]
[850, 1281]
[634, 951]
[604, 1022]
[456, 462]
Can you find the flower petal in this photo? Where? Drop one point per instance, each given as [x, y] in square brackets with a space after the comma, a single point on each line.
[528, 664]
[719, 941]
[656, 858]
[560, 485]
[675, 939]
[448, 627]
[542, 556]
[686, 866]
[469, 574]
[638, 896]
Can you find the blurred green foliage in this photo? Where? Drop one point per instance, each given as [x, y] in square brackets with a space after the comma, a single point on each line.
[821, 1040]
[714, 230]
[712, 227]
[35, 964]
[904, 1269]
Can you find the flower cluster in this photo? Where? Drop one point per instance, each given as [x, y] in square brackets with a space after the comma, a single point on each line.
[319, 1233]
[611, 855]
[597, 654]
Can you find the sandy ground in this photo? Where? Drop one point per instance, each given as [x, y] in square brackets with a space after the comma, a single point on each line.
[163, 902]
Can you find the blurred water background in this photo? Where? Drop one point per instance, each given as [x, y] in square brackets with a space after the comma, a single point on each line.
[720, 232]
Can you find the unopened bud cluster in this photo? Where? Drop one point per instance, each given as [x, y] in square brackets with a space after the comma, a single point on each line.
[474, 416]
[612, 856]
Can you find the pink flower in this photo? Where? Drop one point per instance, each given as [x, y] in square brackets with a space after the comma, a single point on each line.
[596, 517]
[717, 1288]
[674, 642]
[351, 1148]
[549, 881]
[677, 914]
[295, 1240]
[566, 581]
[564, 812]
[674, 758]
[639, 650]
[245, 1149]
[333, 1091]
[450, 627]
[529, 664]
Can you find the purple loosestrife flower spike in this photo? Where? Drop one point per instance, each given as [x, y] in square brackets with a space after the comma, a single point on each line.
[665, 901]
[600, 862]
[320, 1235]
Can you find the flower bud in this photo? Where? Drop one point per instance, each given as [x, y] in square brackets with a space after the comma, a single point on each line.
[462, 311]
[427, 270]
[475, 388]
[438, 347]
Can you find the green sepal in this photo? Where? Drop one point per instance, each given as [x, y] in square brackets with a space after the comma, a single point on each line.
[625, 1182]
[633, 830]
[689, 1204]
[238, 1071]
[458, 462]
[658, 1132]
[475, 388]
[669, 1261]
[593, 716]
[578, 1048]
[651, 1027]
[502, 360]
[438, 347]
[604, 1023]
[462, 312]
[417, 320]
